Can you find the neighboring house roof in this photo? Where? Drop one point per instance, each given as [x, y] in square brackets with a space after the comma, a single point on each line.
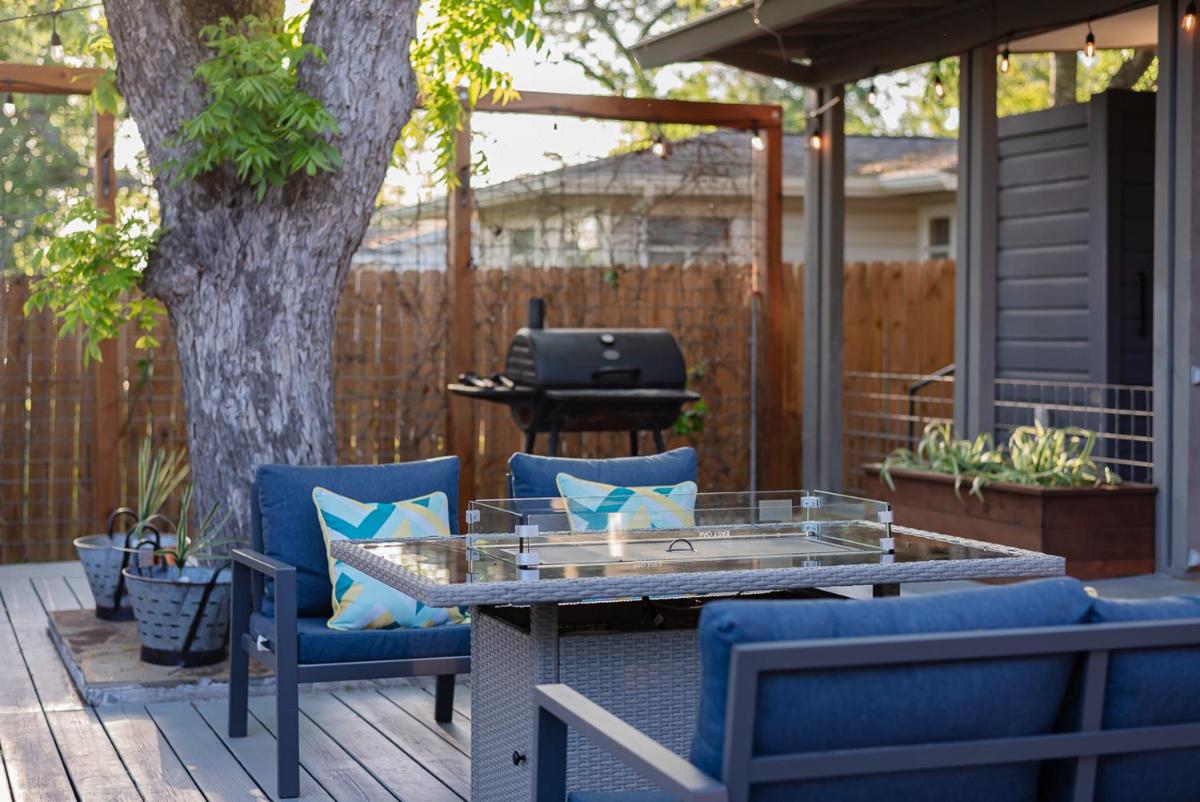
[715, 164]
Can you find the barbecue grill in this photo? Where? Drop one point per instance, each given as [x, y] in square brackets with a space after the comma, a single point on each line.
[586, 380]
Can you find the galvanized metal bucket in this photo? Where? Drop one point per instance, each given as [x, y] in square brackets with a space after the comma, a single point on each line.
[105, 555]
[182, 616]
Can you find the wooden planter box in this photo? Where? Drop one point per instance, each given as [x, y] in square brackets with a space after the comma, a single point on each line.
[1101, 531]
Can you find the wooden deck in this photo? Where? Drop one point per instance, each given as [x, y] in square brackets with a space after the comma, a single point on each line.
[373, 744]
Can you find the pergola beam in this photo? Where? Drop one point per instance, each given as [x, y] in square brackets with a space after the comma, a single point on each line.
[742, 116]
[48, 79]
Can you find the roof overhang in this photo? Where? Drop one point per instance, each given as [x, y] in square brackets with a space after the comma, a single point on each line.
[827, 42]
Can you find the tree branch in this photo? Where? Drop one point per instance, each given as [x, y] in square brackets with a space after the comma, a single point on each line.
[1132, 70]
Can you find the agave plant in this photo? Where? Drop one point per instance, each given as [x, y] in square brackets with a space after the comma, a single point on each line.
[940, 451]
[1047, 457]
[203, 542]
[159, 474]
[1036, 456]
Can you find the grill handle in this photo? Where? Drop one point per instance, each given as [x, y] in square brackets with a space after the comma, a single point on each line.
[537, 313]
[615, 375]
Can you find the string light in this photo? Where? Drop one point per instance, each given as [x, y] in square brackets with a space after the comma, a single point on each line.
[56, 46]
[872, 95]
[814, 140]
[661, 147]
[1005, 59]
[10, 102]
[1089, 44]
[757, 143]
[1189, 18]
[939, 89]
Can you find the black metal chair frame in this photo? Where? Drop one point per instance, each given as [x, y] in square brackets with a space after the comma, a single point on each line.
[560, 708]
[250, 569]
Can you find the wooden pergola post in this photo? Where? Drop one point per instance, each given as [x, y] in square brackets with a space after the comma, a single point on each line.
[106, 412]
[460, 320]
[1177, 293]
[824, 247]
[975, 257]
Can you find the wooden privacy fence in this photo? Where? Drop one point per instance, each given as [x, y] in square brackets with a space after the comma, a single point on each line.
[390, 402]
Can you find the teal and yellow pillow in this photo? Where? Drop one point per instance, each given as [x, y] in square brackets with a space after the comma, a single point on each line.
[589, 504]
[360, 602]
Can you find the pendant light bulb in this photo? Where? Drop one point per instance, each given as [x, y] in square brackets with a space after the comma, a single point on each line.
[56, 45]
[1089, 44]
[872, 94]
[1189, 18]
[10, 102]
[661, 148]
[757, 143]
[939, 89]
[1005, 59]
[814, 140]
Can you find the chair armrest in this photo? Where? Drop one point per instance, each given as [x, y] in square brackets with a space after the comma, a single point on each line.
[262, 564]
[655, 762]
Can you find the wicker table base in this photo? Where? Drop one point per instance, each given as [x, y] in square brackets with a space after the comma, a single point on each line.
[650, 679]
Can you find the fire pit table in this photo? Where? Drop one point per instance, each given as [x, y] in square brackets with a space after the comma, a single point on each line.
[612, 611]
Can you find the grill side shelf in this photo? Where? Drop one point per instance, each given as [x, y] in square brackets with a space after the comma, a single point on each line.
[518, 393]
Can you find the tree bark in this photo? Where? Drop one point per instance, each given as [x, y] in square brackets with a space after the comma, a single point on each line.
[252, 287]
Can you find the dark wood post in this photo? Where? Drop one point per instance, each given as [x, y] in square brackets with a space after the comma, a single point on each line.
[460, 318]
[106, 412]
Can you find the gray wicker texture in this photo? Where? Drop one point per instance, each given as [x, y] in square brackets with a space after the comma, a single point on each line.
[650, 679]
[1009, 563]
[165, 609]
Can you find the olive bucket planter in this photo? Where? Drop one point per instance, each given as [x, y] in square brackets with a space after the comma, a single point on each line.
[182, 614]
[1102, 531]
[106, 555]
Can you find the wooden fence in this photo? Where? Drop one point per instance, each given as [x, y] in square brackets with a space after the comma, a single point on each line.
[389, 375]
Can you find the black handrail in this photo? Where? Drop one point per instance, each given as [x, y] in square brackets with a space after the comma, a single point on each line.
[918, 386]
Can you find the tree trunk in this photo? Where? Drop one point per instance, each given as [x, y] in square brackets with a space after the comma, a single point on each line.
[1065, 78]
[252, 287]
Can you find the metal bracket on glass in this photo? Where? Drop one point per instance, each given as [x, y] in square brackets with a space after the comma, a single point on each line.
[810, 527]
[472, 517]
[810, 502]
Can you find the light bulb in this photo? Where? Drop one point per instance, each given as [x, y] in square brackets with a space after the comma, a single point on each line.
[10, 105]
[757, 143]
[56, 48]
[1089, 44]
[939, 88]
[872, 95]
[661, 148]
[1005, 61]
[1189, 18]
[814, 141]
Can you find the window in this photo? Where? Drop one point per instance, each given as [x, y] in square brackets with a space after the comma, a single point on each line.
[686, 240]
[936, 234]
[521, 246]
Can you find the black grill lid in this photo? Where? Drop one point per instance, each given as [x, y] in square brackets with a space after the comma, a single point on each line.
[591, 358]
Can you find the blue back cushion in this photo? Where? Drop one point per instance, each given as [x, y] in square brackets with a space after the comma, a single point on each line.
[287, 517]
[845, 709]
[1145, 688]
[535, 477]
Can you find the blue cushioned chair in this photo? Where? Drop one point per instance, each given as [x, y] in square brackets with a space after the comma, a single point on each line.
[532, 476]
[950, 696]
[282, 599]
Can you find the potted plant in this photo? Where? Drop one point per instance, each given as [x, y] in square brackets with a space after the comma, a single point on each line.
[182, 603]
[105, 555]
[1044, 492]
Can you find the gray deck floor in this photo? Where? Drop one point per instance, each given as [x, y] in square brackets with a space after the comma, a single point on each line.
[378, 744]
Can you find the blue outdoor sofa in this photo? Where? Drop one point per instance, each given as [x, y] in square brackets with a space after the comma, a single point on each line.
[282, 600]
[1034, 691]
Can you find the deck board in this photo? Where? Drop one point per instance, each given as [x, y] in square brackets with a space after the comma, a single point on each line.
[362, 744]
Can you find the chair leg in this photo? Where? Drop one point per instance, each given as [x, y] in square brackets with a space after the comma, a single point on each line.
[287, 692]
[239, 661]
[443, 702]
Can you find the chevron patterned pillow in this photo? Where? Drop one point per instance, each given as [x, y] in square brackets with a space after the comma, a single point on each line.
[360, 602]
[590, 505]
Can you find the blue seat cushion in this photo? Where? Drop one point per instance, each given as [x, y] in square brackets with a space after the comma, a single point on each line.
[317, 643]
[816, 711]
[1144, 689]
[618, 796]
[288, 524]
[533, 476]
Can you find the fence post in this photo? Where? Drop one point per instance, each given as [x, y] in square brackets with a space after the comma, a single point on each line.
[105, 372]
[460, 322]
